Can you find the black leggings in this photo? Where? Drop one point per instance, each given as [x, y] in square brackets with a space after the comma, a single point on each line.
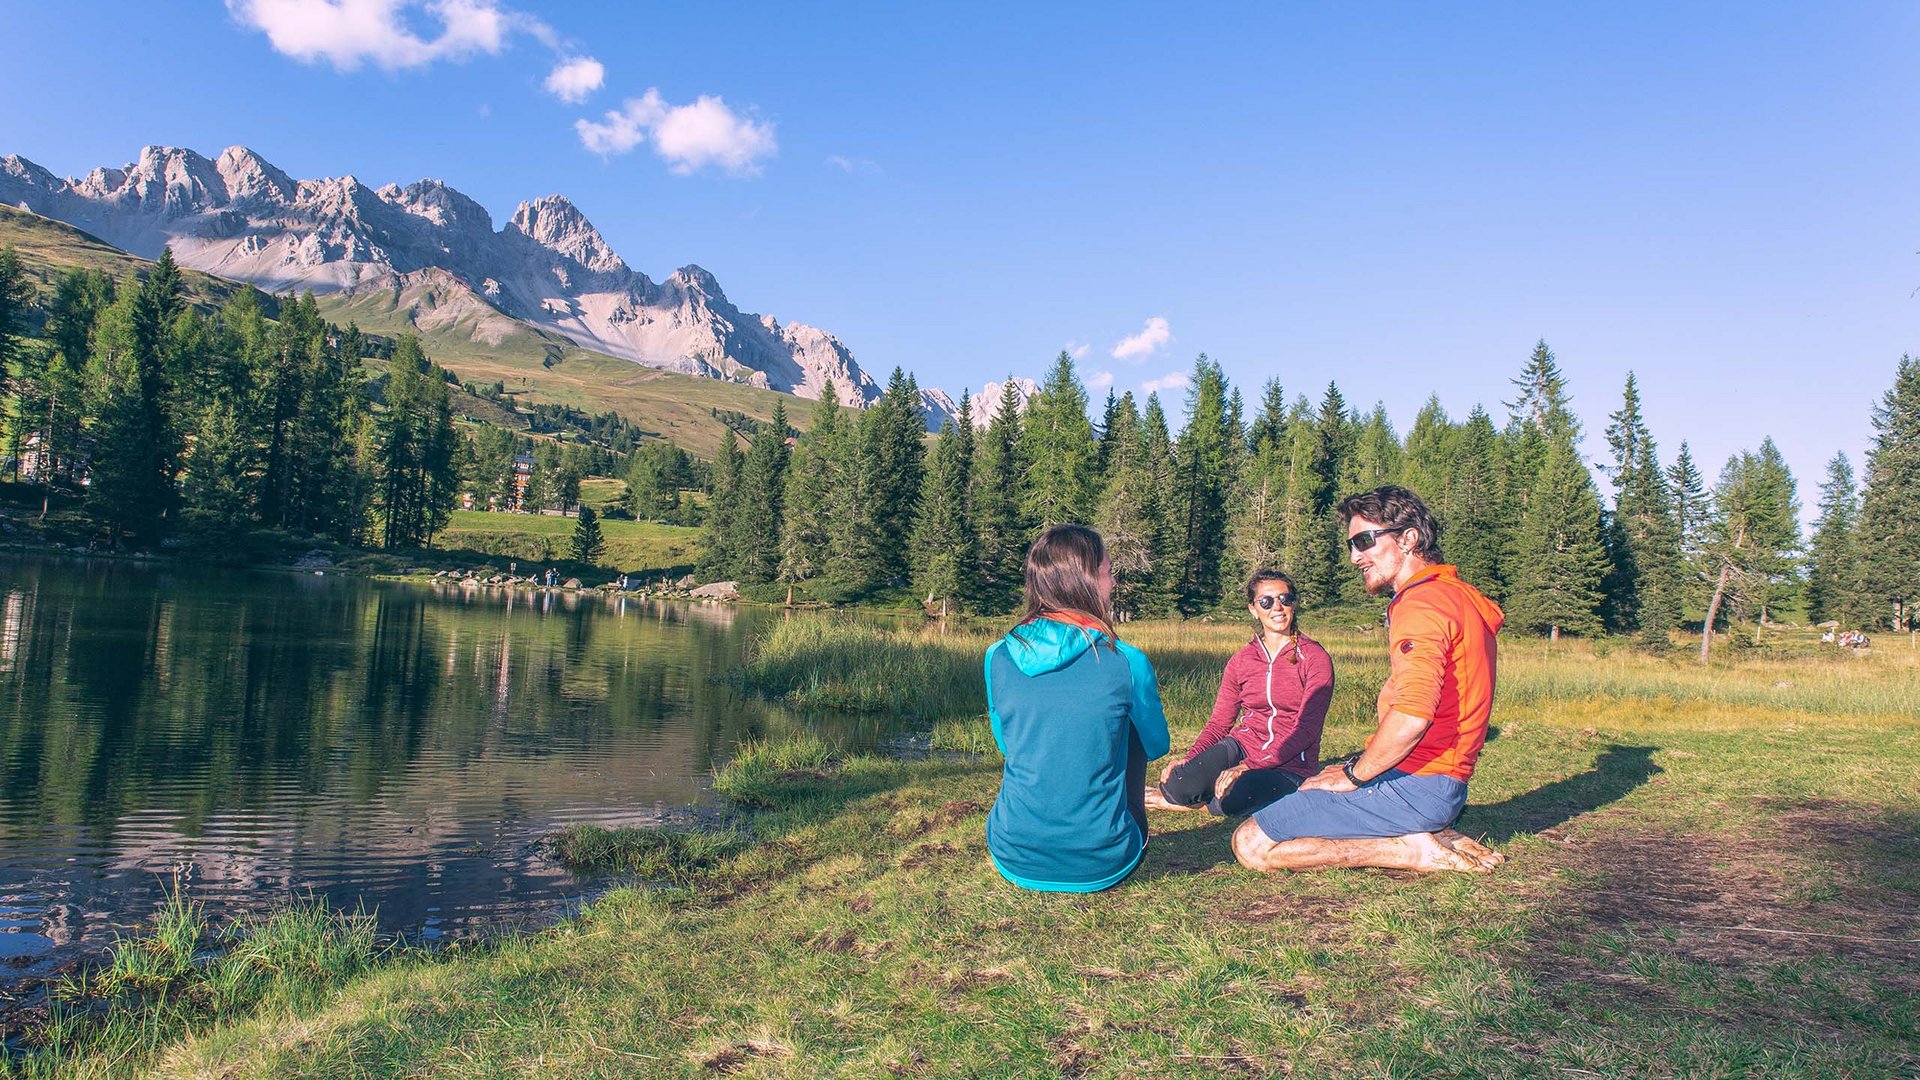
[1192, 782]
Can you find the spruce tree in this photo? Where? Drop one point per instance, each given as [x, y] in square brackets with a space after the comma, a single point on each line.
[943, 544]
[1645, 575]
[1557, 574]
[1691, 508]
[1306, 522]
[891, 462]
[588, 544]
[1257, 533]
[763, 484]
[418, 470]
[1126, 516]
[1270, 424]
[1833, 567]
[1202, 482]
[1373, 458]
[1753, 537]
[18, 385]
[806, 531]
[220, 470]
[1475, 520]
[1057, 443]
[132, 469]
[1154, 591]
[999, 522]
[719, 534]
[1890, 505]
[1426, 465]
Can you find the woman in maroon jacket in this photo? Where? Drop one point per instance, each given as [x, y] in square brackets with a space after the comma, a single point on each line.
[1264, 735]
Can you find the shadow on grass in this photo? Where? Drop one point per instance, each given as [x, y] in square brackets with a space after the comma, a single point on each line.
[1613, 775]
[1188, 851]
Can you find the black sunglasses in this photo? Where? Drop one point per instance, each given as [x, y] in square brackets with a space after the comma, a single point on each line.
[1364, 541]
[1285, 599]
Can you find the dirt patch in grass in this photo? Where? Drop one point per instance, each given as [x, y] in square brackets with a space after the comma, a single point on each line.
[1820, 884]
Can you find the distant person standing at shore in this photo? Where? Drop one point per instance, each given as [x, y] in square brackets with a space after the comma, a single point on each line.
[1394, 803]
[1263, 738]
[1077, 715]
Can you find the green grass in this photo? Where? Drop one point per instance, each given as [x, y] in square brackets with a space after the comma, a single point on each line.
[671, 855]
[632, 546]
[1709, 876]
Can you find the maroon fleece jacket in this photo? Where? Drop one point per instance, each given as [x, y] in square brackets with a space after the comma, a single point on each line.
[1274, 707]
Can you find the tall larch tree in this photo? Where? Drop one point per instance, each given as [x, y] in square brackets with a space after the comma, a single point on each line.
[1556, 578]
[719, 534]
[1476, 518]
[943, 544]
[806, 526]
[763, 489]
[1201, 483]
[1890, 505]
[999, 520]
[1057, 443]
[1833, 563]
[1645, 577]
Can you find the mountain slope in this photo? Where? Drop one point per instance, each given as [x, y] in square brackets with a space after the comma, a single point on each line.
[547, 267]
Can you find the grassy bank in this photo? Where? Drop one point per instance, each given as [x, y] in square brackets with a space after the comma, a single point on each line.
[1714, 872]
[632, 546]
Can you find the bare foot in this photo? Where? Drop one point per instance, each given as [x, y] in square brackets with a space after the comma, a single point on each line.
[1467, 846]
[1429, 855]
[1157, 801]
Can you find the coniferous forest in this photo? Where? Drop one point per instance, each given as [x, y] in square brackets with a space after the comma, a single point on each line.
[167, 420]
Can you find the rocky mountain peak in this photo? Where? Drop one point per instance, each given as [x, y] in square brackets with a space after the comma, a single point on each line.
[248, 176]
[164, 180]
[693, 278]
[556, 224]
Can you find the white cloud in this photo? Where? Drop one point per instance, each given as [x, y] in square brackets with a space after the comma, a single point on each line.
[852, 165]
[574, 78]
[1145, 343]
[1100, 380]
[348, 33]
[689, 137]
[1077, 349]
[1172, 380]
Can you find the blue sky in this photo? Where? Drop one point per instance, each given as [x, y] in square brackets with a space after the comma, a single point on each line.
[1400, 198]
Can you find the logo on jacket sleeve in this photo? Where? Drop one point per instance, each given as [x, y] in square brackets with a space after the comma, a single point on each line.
[1406, 645]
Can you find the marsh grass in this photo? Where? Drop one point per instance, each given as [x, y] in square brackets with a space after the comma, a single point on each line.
[674, 855]
[183, 975]
[1709, 877]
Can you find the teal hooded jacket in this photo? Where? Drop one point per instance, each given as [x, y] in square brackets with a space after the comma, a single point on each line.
[1069, 708]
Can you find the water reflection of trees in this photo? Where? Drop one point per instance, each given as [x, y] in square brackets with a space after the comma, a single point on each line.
[134, 688]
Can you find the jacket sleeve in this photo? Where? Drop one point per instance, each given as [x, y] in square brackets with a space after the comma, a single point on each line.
[1149, 719]
[1316, 694]
[1226, 709]
[993, 717]
[1421, 640]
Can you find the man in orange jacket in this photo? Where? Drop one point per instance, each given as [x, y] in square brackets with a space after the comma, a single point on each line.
[1394, 803]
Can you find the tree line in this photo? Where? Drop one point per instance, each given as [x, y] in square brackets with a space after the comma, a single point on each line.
[860, 505]
[169, 420]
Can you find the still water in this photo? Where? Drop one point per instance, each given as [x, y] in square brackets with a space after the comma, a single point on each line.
[267, 736]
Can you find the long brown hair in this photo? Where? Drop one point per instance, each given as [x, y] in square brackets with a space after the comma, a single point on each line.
[1063, 576]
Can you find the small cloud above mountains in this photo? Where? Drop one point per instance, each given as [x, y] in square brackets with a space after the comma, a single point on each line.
[400, 35]
[574, 78]
[688, 137]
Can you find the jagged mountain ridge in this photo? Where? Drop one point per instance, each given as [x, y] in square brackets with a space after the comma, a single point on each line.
[241, 217]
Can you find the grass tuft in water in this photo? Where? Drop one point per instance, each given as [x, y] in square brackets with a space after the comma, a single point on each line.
[675, 855]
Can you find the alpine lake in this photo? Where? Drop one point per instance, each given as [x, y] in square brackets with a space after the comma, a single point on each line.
[256, 738]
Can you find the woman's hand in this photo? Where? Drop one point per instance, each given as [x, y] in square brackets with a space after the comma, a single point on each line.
[1225, 780]
[1167, 773]
[1331, 778]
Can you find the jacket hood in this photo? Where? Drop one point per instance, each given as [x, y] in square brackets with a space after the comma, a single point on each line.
[1488, 610]
[1045, 645]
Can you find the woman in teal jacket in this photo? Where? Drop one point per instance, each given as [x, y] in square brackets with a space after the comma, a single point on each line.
[1077, 714]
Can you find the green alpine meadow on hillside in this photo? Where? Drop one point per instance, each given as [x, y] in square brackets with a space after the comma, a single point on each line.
[1711, 873]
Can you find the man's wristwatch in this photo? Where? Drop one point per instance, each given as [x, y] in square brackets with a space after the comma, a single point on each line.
[1346, 766]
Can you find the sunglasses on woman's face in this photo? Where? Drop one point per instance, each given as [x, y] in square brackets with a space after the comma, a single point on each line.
[1364, 541]
[1285, 599]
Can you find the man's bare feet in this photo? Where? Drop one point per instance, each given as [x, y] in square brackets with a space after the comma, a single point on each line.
[1428, 854]
[1157, 801]
[1467, 847]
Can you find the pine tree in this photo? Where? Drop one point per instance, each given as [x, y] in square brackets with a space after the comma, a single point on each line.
[1833, 569]
[1890, 505]
[1752, 537]
[1153, 593]
[1373, 458]
[419, 474]
[1257, 534]
[1201, 459]
[1126, 516]
[1057, 443]
[1556, 579]
[1476, 520]
[1271, 422]
[999, 524]
[132, 469]
[220, 470]
[17, 383]
[891, 462]
[1306, 522]
[1645, 575]
[656, 475]
[763, 485]
[943, 542]
[1541, 418]
[806, 531]
[1426, 466]
[588, 545]
[1691, 508]
[719, 535]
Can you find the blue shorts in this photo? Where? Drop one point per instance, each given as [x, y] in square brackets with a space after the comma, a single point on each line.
[1391, 804]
